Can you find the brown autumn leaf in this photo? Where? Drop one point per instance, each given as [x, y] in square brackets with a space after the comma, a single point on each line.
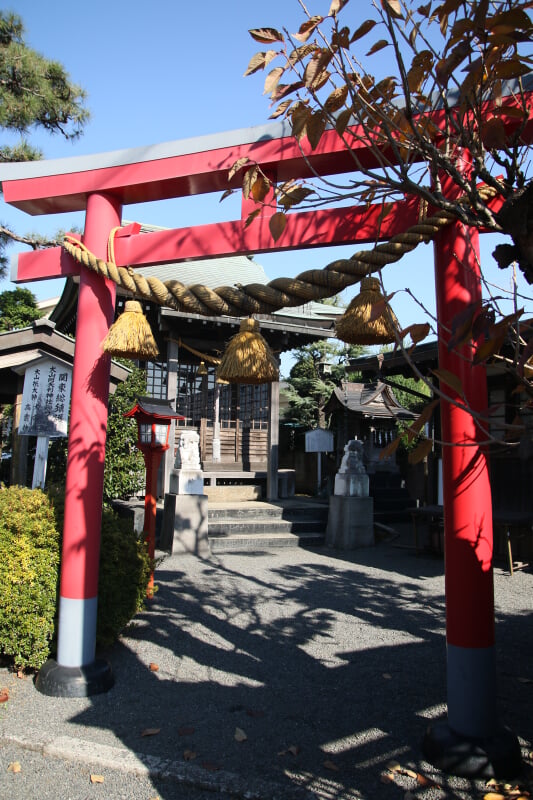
[409, 772]
[259, 61]
[307, 28]
[423, 780]
[14, 767]
[292, 750]
[210, 766]
[451, 380]
[393, 7]
[419, 453]
[272, 79]
[4, 695]
[328, 764]
[266, 35]
[260, 188]
[96, 778]
[377, 47]
[363, 29]
[153, 666]
[151, 731]
[185, 730]
[189, 755]
[237, 166]
[390, 448]
[493, 796]
[277, 223]
[493, 134]
[255, 713]
[240, 735]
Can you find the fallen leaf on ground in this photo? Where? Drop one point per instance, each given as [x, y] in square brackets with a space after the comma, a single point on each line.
[21, 674]
[153, 666]
[252, 712]
[209, 766]
[292, 750]
[331, 765]
[150, 731]
[4, 695]
[393, 766]
[423, 780]
[189, 755]
[185, 730]
[240, 735]
[409, 772]
[493, 796]
[14, 766]
[97, 778]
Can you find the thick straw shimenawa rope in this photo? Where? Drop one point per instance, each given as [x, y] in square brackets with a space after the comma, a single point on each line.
[257, 298]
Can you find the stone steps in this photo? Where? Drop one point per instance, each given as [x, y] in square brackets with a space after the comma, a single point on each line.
[257, 526]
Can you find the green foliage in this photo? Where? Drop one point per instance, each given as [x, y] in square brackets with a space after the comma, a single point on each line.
[409, 397]
[124, 572]
[30, 545]
[35, 93]
[320, 366]
[29, 564]
[18, 309]
[124, 464]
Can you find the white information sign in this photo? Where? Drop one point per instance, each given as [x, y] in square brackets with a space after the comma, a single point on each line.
[46, 399]
[318, 441]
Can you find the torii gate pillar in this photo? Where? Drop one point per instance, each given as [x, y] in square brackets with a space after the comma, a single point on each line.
[76, 673]
[472, 742]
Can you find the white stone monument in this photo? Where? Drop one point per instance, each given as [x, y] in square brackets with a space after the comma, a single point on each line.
[187, 476]
[351, 510]
[184, 528]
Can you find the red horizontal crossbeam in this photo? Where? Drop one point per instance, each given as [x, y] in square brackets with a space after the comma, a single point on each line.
[184, 168]
[337, 226]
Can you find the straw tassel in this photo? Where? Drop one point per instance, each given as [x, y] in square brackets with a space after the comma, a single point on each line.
[360, 325]
[130, 336]
[248, 357]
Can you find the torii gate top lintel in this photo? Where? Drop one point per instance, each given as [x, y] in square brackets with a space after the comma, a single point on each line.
[161, 171]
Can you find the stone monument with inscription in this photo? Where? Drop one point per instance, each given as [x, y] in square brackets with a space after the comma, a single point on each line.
[184, 528]
[351, 509]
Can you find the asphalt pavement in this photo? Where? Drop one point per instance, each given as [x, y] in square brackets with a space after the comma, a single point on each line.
[282, 674]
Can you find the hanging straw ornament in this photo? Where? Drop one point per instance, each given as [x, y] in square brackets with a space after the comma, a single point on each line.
[130, 336]
[248, 357]
[359, 325]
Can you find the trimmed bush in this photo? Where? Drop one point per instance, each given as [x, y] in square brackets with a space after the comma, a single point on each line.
[30, 547]
[29, 569]
[124, 575]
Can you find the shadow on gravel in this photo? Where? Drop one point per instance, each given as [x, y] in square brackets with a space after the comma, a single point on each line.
[330, 667]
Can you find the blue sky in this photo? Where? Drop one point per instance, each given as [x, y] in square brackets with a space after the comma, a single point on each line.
[168, 70]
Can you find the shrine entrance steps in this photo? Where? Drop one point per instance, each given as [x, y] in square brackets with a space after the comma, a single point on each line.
[259, 525]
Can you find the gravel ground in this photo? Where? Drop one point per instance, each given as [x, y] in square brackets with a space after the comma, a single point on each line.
[291, 673]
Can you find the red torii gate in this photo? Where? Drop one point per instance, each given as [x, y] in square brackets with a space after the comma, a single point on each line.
[101, 185]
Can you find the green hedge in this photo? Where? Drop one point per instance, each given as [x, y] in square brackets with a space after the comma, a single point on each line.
[30, 547]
